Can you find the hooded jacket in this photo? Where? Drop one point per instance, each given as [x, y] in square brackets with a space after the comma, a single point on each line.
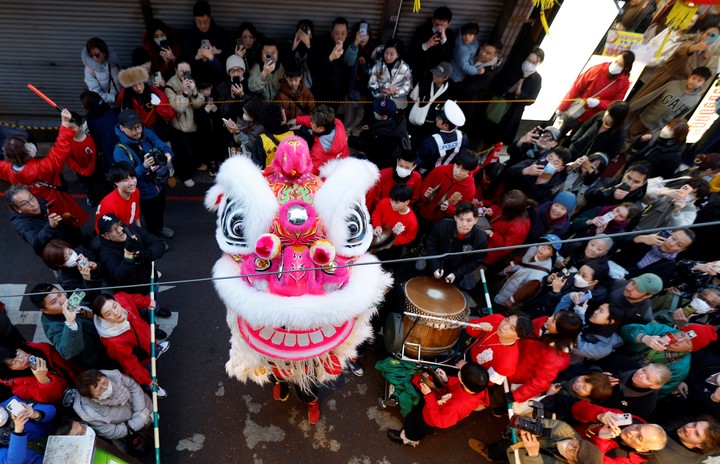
[318, 154]
[102, 78]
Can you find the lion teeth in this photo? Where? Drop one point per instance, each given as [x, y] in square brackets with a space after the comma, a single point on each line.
[266, 333]
[290, 340]
[303, 339]
[328, 331]
[316, 336]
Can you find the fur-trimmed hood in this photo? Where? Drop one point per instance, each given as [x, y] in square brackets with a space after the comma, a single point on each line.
[112, 60]
[132, 76]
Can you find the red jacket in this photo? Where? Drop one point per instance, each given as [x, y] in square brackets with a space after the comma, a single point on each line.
[386, 182]
[47, 170]
[499, 360]
[62, 375]
[339, 148]
[443, 176]
[539, 365]
[149, 116]
[506, 233]
[120, 347]
[591, 82]
[385, 216]
[606, 446]
[83, 156]
[460, 404]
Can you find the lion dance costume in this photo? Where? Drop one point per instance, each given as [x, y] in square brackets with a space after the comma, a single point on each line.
[297, 311]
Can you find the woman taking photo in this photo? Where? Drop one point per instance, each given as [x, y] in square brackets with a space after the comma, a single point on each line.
[36, 372]
[603, 132]
[73, 266]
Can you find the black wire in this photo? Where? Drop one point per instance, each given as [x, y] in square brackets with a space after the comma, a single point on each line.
[390, 261]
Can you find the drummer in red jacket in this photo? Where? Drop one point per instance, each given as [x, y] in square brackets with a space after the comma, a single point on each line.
[496, 348]
[445, 406]
[126, 335]
[330, 140]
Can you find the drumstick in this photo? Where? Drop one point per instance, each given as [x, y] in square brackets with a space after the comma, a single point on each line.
[450, 321]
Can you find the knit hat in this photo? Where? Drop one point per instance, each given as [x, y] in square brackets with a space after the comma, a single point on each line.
[133, 76]
[566, 199]
[648, 283]
[106, 222]
[553, 239]
[588, 453]
[704, 335]
[234, 61]
[385, 107]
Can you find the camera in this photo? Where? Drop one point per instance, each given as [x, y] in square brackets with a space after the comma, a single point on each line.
[534, 424]
[565, 272]
[158, 156]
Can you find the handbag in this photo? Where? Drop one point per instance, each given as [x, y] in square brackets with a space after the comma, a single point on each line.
[496, 109]
[577, 108]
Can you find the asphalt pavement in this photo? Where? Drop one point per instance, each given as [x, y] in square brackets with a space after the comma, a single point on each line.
[210, 418]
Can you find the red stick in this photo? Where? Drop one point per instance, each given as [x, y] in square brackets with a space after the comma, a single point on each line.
[43, 96]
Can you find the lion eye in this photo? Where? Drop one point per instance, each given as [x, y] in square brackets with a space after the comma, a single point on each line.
[357, 226]
[234, 224]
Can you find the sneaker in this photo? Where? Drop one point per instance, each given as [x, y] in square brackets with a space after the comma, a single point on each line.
[162, 347]
[167, 232]
[313, 411]
[356, 367]
[189, 183]
[394, 436]
[162, 312]
[161, 392]
[280, 391]
[160, 334]
[171, 182]
[202, 167]
[69, 397]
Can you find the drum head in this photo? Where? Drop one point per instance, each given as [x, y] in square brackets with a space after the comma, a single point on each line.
[434, 297]
[393, 332]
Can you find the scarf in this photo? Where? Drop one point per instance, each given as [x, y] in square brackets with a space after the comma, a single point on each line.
[663, 357]
[653, 256]
[107, 329]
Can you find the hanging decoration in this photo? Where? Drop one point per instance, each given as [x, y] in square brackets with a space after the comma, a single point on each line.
[544, 5]
[416, 6]
[681, 17]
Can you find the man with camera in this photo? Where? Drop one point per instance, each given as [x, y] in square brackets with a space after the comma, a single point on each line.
[149, 156]
[126, 253]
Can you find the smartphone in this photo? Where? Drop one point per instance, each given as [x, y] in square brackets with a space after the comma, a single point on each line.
[75, 299]
[188, 75]
[542, 163]
[363, 30]
[205, 43]
[239, 43]
[437, 35]
[665, 234]
[235, 80]
[226, 121]
[669, 339]
[82, 261]
[305, 28]
[164, 44]
[624, 186]
[585, 297]
[269, 58]
[685, 190]
[712, 38]
[15, 407]
[625, 419]
[607, 217]
[49, 205]
[32, 361]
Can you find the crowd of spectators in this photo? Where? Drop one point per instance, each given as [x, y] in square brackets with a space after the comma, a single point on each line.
[592, 329]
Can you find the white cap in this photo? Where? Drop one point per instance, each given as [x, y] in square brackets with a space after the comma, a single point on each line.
[453, 113]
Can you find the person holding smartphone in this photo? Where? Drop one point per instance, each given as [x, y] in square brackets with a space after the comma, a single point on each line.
[161, 43]
[266, 78]
[632, 187]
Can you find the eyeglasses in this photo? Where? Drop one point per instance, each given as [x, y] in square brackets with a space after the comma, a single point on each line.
[29, 202]
[547, 136]
[136, 128]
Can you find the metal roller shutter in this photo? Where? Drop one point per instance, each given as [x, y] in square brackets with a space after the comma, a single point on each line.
[484, 12]
[42, 41]
[275, 19]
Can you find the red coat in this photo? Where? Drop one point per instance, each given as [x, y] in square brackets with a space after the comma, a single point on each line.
[120, 347]
[443, 176]
[539, 365]
[506, 233]
[339, 148]
[385, 216]
[460, 404]
[591, 82]
[606, 445]
[499, 360]
[149, 116]
[386, 182]
[62, 375]
[83, 156]
[128, 211]
[47, 170]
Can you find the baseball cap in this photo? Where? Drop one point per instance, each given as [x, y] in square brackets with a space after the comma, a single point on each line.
[129, 118]
[385, 107]
[554, 131]
[648, 283]
[443, 69]
[553, 239]
[106, 222]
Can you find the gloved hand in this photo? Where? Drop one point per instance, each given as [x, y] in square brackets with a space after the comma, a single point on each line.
[154, 99]
[592, 102]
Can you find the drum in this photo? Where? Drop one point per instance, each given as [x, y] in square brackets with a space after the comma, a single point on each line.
[432, 297]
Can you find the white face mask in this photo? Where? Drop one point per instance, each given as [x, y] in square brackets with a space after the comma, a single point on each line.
[562, 446]
[700, 306]
[402, 172]
[106, 394]
[160, 39]
[246, 117]
[615, 68]
[580, 282]
[31, 149]
[528, 67]
[666, 133]
[72, 260]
